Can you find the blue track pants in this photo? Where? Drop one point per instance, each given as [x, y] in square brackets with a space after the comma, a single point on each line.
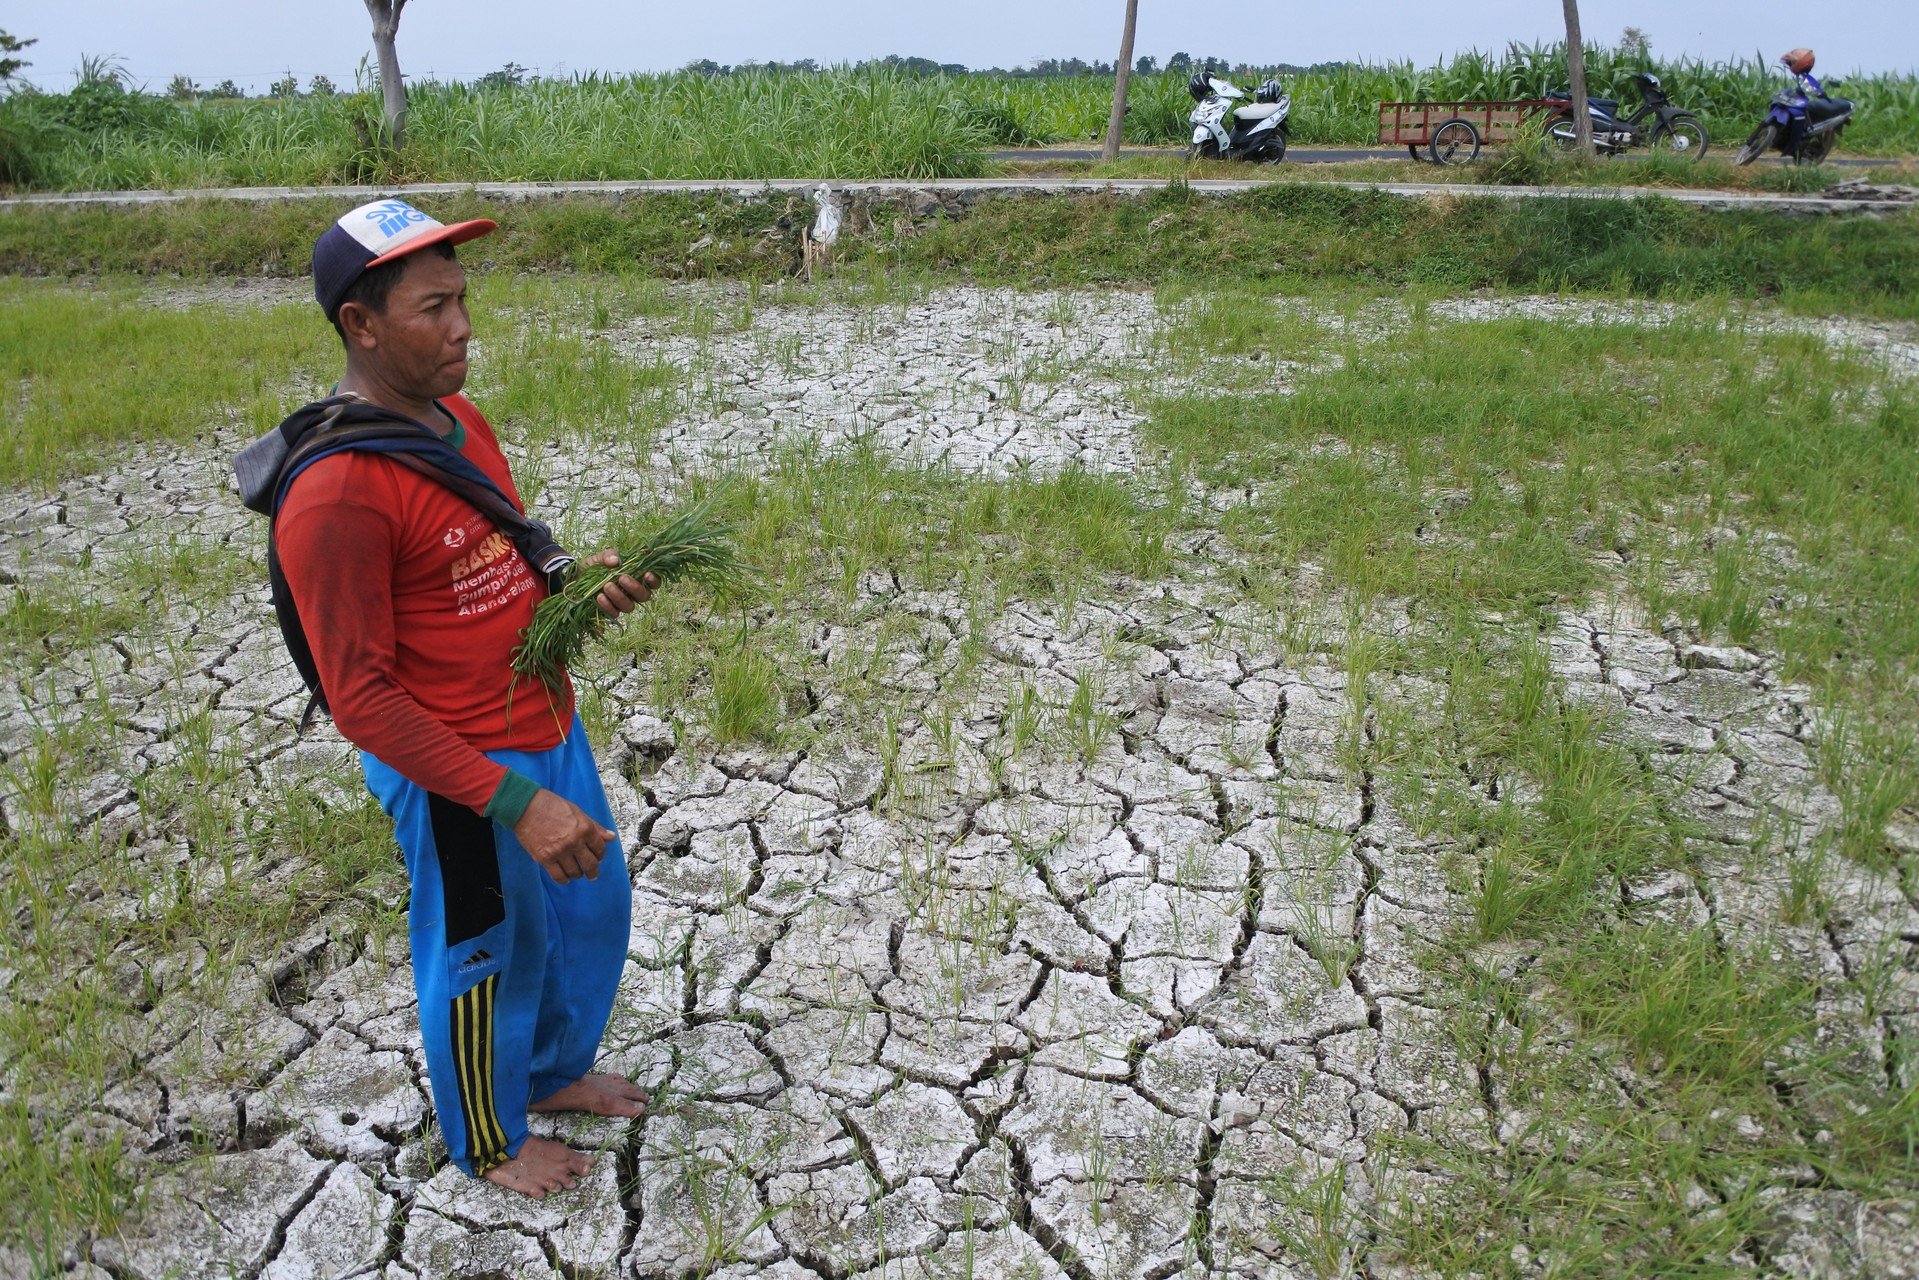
[515, 974]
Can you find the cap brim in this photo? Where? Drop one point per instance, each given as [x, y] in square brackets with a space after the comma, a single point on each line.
[457, 233]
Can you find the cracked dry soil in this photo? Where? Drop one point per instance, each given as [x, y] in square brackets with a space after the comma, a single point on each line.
[923, 1013]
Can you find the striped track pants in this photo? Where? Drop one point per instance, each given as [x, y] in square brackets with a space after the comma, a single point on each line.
[515, 974]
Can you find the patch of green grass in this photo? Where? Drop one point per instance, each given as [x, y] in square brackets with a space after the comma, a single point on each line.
[1499, 461]
[83, 375]
[814, 525]
[1295, 237]
[1735, 1074]
[53, 1186]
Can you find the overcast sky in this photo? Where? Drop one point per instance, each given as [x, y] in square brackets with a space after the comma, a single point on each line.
[256, 41]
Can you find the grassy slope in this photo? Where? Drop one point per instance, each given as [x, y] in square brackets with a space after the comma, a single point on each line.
[1292, 237]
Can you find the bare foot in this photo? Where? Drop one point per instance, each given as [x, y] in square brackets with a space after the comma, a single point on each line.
[597, 1093]
[542, 1167]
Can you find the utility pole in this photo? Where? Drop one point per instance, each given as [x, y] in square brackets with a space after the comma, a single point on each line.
[1576, 66]
[1116, 123]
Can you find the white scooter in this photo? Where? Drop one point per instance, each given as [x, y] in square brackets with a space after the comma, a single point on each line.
[1222, 130]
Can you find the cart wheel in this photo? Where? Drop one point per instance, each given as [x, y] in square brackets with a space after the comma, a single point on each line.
[1412, 149]
[1454, 142]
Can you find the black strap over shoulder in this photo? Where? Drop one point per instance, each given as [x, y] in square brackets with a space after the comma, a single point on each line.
[268, 467]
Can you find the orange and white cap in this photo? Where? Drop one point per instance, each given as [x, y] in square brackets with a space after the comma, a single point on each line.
[374, 234]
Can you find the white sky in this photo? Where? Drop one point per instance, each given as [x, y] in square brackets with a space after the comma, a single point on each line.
[256, 41]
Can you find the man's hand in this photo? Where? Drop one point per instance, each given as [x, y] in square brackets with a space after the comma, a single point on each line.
[562, 838]
[625, 593]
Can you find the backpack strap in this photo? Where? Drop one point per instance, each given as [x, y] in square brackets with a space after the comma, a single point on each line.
[408, 444]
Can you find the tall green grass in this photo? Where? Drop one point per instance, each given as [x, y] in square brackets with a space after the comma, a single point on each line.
[1342, 107]
[848, 123]
[836, 124]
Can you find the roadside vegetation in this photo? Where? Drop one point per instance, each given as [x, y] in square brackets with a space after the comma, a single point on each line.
[1521, 165]
[1423, 508]
[845, 123]
[1290, 238]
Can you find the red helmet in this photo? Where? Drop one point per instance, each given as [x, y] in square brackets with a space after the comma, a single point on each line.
[1799, 61]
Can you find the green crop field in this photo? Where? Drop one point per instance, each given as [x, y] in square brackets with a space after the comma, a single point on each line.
[840, 123]
[1310, 734]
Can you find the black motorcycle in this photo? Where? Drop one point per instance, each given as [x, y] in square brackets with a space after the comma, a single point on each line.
[1657, 124]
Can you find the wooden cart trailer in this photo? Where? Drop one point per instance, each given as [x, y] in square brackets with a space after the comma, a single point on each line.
[1452, 132]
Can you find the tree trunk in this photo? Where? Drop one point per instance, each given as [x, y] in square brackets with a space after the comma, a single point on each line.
[1116, 123]
[386, 23]
[1576, 68]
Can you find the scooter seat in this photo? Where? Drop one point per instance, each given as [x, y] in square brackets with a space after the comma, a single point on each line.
[1256, 110]
[1818, 109]
[1608, 105]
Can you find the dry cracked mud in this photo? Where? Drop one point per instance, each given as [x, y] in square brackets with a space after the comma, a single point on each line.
[923, 1007]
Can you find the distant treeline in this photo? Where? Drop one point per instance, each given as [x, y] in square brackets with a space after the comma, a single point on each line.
[1182, 63]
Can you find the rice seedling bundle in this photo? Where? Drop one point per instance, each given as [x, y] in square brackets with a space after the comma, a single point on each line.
[694, 546]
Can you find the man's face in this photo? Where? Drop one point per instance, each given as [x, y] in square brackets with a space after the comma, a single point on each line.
[418, 344]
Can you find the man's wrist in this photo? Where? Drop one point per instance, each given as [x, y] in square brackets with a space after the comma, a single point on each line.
[511, 797]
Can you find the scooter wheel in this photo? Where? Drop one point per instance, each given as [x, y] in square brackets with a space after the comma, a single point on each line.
[1758, 145]
[1815, 150]
[1275, 150]
[1684, 137]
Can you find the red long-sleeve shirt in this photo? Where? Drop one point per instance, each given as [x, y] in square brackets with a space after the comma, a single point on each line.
[413, 603]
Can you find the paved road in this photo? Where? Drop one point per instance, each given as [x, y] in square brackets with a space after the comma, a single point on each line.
[1305, 155]
[962, 189]
[1310, 155]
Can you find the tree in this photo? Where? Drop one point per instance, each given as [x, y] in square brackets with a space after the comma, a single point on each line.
[9, 65]
[1576, 65]
[182, 89]
[511, 76]
[1146, 65]
[320, 87]
[287, 86]
[1180, 62]
[1116, 122]
[1634, 43]
[226, 89]
[386, 24]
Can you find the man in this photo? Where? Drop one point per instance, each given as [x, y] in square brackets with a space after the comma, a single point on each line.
[412, 602]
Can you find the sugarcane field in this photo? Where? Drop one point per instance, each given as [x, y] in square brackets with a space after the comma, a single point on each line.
[766, 671]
